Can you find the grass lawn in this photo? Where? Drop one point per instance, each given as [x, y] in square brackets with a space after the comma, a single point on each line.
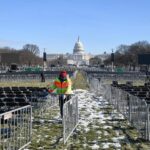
[48, 135]
[24, 83]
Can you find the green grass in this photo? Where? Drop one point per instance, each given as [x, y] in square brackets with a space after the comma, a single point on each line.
[24, 83]
[46, 136]
[80, 81]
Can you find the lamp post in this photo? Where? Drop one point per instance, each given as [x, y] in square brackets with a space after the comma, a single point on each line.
[112, 61]
[44, 60]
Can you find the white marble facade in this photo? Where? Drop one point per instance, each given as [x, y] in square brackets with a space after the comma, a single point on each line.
[78, 56]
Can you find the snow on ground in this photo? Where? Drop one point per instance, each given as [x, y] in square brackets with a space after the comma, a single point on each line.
[90, 114]
[100, 127]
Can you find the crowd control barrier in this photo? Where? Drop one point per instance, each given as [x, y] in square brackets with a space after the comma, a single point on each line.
[15, 126]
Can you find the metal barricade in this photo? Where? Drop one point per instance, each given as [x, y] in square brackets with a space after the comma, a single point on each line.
[107, 93]
[95, 85]
[43, 103]
[123, 101]
[138, 114]
[70, 117]
[53, 100]
[133, 108]
[108, 77]
[15, 126]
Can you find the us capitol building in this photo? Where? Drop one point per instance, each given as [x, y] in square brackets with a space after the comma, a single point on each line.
[79, 57]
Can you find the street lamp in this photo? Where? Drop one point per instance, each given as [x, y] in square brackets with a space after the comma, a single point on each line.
[112, 60]
[44, 60]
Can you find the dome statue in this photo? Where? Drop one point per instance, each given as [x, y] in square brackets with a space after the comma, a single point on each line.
[78, 48]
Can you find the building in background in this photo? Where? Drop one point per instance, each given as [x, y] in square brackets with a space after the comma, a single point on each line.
[103, 56]
[78, 57]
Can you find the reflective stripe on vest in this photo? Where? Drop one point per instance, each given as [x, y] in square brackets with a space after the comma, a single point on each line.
[58, 84]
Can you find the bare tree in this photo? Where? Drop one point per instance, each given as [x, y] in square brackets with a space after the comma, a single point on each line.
[34, 49]
[60, 61]
[28, 58]
[95, 61]
[128, 55]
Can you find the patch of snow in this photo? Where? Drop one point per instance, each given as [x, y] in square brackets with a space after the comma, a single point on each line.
[38, 141]
[116, 139]
[84, 145]
[106, 133]
[120, 116]
[107, 144]
[98, 132]
[92, 108]
[117, 133]
[107, 127]
[84, 123]
[86, 129]
[41, 121]
[117, 145]
[46, 136]
[79, 90]
[95, 147]
[95, 126]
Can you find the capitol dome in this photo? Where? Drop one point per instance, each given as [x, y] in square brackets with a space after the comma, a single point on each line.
[78, 48]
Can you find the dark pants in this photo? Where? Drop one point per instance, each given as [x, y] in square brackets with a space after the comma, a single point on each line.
[42, 79]
[62, 100]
